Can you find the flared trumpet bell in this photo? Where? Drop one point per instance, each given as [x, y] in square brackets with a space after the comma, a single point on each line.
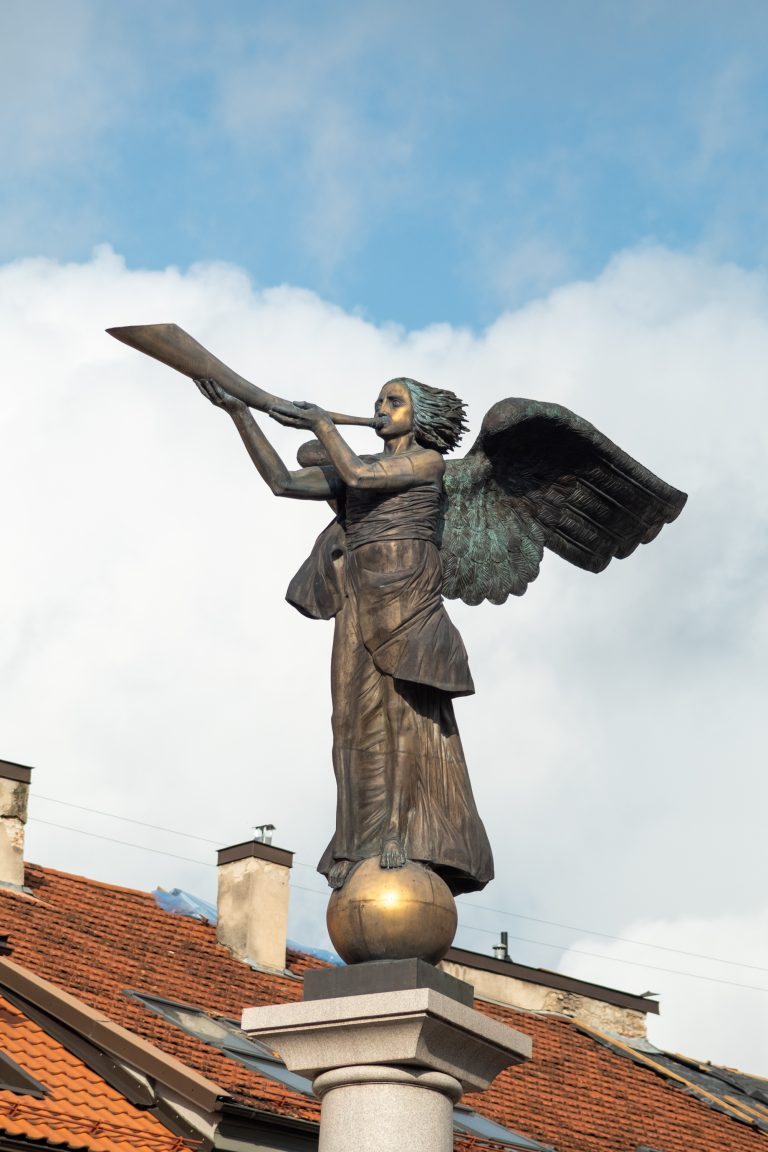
[173, 346]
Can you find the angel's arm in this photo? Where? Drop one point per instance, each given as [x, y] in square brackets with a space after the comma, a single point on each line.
[303, 484]
[393, 473]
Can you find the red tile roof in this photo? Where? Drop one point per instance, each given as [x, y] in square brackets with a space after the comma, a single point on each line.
[582, 1096]
[80, 1111]
[96, 941]
[577, 1094]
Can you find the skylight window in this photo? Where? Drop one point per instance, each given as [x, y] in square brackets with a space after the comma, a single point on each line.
[225, 1035]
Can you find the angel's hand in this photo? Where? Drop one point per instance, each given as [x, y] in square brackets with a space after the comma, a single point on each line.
[299, 415]
[216, 394]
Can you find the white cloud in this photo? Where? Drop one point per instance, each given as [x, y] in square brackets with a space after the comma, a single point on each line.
[150, 666]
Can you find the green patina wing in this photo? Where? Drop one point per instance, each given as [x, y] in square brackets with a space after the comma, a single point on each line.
[538, 476]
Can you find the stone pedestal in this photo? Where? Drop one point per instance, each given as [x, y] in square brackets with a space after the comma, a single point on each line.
[388, 1066]
[378, 1108]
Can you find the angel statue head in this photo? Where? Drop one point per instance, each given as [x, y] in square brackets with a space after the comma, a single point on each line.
[438, 415]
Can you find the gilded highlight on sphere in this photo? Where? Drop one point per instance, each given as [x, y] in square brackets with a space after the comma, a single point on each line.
[392, 914]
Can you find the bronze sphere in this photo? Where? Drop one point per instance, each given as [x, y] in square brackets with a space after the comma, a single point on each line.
[392, 914]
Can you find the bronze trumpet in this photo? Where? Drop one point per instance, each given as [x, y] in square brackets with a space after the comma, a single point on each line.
[173, 346]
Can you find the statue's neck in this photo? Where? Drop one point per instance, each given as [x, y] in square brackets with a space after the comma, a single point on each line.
[399, 444]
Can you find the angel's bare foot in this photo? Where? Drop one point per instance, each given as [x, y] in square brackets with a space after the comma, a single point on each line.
[338, 873]
[392, 853]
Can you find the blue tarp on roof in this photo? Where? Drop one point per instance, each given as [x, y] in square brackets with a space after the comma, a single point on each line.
[183, 903]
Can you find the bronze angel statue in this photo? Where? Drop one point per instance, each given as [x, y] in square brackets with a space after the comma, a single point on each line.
[411, 528]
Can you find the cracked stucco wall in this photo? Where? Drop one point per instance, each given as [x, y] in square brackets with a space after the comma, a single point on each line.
[538, 998]
[13, 817]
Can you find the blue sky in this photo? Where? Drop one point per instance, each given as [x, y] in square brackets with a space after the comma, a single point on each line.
[416, 162]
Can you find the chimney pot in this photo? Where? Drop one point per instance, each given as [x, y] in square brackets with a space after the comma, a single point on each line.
[264, 833]
[252, 902]
[501, 950]
[14, 795]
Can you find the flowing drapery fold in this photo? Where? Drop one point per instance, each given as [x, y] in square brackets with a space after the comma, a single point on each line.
[398, 661]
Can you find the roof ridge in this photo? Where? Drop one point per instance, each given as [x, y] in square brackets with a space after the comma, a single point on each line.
[77, 878]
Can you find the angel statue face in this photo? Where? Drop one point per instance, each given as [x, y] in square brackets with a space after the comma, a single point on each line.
[436, 415]
[394, 410]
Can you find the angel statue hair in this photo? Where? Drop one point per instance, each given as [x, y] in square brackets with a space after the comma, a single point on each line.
[411, 528]
[438, 415]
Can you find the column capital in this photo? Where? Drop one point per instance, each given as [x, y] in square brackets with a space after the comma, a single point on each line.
[415, 1027]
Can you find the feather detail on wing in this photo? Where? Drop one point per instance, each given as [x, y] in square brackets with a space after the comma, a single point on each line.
[539, 476]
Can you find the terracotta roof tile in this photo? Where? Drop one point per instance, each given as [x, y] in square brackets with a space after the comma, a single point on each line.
[80, 1110]
[96, 941]
[582, 1097]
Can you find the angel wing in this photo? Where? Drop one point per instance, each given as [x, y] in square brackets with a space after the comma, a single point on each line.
[538, 476]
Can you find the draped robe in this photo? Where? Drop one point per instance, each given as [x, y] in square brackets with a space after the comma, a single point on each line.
[397, 663]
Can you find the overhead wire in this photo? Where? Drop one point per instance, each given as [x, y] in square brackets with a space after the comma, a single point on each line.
[475, 907]
[468, 927]
[609, 936]
[522, 939]
[124, 843]
[593, 955]
[127, 819]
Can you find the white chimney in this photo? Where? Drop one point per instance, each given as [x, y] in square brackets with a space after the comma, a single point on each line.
[14, 793]
[252, 903]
